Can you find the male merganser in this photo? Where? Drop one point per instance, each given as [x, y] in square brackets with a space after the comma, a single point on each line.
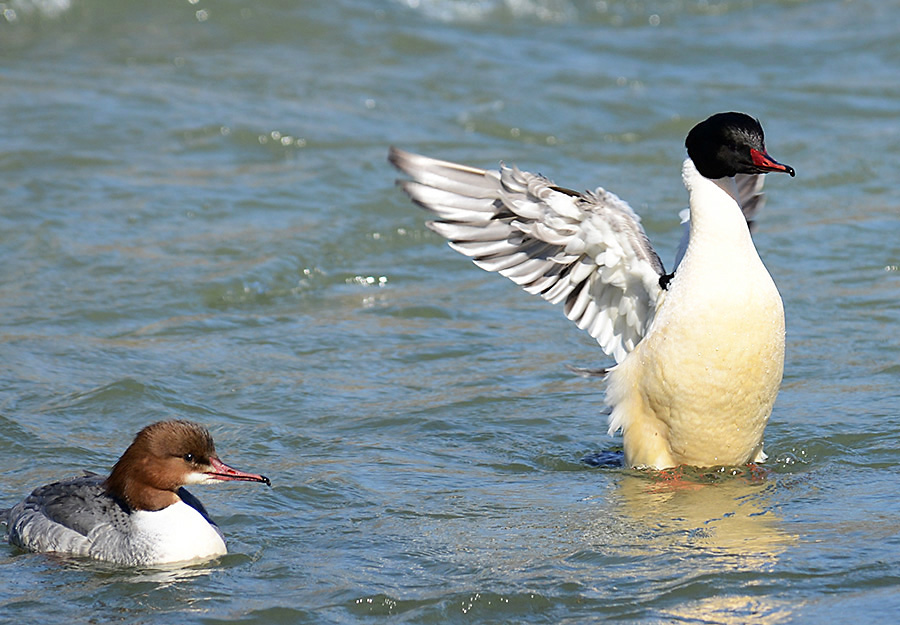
[140, 514]
[700, 352]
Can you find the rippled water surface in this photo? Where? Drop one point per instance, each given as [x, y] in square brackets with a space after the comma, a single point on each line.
[197, 220]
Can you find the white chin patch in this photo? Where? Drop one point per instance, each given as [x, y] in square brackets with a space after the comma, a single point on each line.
[195, 477]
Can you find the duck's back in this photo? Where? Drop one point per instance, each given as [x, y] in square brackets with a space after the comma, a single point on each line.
[66, 517]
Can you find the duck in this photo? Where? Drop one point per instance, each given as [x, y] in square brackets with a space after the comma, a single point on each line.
[699, 351]
[141, 514]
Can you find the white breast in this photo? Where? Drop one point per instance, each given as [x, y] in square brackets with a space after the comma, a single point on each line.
[174, 534]
[702, 383]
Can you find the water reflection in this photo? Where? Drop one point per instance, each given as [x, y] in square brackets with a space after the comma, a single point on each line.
[729, 515]
[737, 610]
[156, 577]
[725, 536]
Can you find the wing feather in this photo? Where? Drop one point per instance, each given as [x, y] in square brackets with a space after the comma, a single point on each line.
[585, 250]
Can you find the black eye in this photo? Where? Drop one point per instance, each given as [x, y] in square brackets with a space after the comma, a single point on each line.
[188, 457]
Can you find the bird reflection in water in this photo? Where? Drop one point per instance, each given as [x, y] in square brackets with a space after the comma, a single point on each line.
[722, 528]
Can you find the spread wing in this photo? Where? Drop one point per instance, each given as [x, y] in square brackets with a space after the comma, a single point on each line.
[585, 250]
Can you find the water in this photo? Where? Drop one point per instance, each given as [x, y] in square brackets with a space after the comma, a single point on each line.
[197, 220]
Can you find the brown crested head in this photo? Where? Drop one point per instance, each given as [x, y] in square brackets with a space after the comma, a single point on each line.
[164, 457]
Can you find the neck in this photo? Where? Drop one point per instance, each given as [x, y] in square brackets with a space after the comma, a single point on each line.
[715, 210]
[720, 242]
[127, 484]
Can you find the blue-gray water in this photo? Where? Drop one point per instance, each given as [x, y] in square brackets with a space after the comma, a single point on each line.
[197, 220]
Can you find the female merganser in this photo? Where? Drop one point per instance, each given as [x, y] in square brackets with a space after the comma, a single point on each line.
[140, 514]
[699, 352]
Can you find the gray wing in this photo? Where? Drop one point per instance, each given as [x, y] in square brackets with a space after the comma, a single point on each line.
[79, 504]
[585, 250]
[62, 515]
